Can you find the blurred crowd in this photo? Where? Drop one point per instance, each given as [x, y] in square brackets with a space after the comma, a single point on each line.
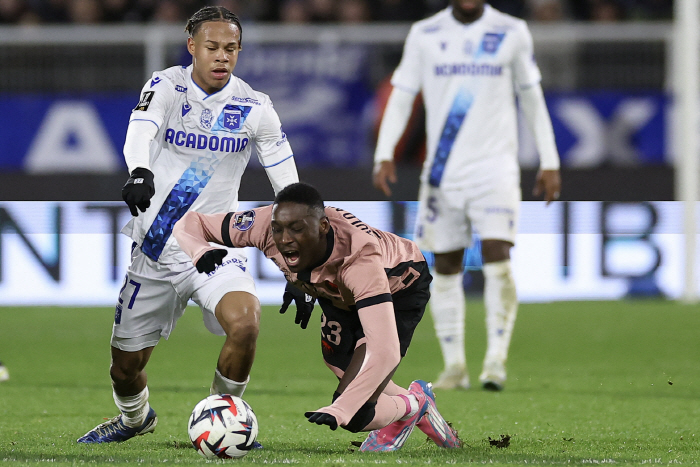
[317, 11]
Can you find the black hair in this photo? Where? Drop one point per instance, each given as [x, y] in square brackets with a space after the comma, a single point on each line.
[302, 193]
[212, 13]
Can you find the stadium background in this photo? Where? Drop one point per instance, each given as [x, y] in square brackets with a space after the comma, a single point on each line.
[589, 381]
[72, 71]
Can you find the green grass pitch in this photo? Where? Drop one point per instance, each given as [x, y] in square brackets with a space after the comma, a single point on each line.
[589, 383]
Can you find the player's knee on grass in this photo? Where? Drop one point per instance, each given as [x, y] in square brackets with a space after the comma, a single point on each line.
[362, 418]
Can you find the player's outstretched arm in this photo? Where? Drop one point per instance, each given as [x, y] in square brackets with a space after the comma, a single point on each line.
[193, 233]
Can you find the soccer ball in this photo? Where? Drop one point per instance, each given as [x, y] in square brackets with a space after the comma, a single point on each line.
[222, 426]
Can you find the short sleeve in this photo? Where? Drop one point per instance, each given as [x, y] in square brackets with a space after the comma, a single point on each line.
[408, 75]
[525, 70]
[270, 140]
[157, 98]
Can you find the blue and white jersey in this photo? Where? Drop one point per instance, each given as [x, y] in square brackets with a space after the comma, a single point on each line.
[200, 152]
[468, 74]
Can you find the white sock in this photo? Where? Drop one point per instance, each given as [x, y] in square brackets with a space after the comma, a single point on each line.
[223, 385]
[133, 408]
[501, 303]
[413, 404]
[448, 309]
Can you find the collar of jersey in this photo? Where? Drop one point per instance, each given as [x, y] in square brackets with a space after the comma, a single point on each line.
[201, 93]
[305, 275]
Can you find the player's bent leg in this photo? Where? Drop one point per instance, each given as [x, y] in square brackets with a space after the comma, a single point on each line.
[239, 316]
[131, 397]
[393, 436]
[501, 304]
[448, 309]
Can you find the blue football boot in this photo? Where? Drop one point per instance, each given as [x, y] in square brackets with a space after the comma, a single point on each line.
[114, 430]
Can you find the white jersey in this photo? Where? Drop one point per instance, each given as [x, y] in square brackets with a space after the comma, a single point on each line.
[468, 74]
[200, 152]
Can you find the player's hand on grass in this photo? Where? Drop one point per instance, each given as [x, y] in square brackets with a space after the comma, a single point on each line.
[549, 183]
[321, 418]
[210, 260]
[138, 190]
[303, 301]
[383, 174]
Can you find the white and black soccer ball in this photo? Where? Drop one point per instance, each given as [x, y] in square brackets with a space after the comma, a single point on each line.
[223, 426]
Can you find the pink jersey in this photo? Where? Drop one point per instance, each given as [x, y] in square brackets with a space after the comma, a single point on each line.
[364, 267]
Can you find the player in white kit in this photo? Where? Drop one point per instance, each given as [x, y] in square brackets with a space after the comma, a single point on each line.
[469, 61]
[187, 145]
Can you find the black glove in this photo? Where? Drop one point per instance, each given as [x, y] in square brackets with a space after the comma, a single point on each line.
[303, 301]
[321, 418]
[210, 260]
[138, 190]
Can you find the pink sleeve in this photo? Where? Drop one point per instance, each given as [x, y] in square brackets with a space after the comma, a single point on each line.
[382, 356]
[194, 232]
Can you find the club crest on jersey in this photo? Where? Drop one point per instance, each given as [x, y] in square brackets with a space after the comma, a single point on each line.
[232, 119]
[145, 101]
[243, 220]
[491, 42]
[206, 119]
[155, 81]
[186, 109]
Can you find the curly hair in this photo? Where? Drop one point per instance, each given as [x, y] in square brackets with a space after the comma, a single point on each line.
[212, 13]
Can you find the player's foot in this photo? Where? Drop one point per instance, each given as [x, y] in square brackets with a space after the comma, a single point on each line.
[454, 377]
[392, 437]
[434, 425]
[4, 374]
[493, 378]
[114, 430]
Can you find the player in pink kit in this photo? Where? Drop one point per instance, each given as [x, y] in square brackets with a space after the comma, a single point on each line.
[373, 287]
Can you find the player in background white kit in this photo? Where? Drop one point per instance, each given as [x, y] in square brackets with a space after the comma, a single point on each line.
[469, 61]
[187, 145]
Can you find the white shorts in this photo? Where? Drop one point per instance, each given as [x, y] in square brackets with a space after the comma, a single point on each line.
[446, 219]
[154, 296]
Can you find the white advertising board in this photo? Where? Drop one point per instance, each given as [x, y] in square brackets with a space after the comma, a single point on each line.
[72, 254]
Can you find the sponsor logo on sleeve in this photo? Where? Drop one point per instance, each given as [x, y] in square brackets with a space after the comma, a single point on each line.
[243, 220]
[145, 101]
[155, 81]
[283, 138]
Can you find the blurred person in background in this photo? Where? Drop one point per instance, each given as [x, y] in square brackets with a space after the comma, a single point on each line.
[469, 61]
[295, 12]
[546, 10]
[17, 12]
[187, 145]
[85, 12]
[354, 11]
